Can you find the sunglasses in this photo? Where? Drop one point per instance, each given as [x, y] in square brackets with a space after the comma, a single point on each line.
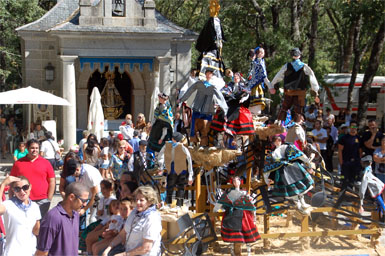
[354, 127]
[81, 199]
[18, 189]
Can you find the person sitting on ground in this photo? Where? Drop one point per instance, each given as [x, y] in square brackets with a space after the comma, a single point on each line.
[20, 152]
[21, 217]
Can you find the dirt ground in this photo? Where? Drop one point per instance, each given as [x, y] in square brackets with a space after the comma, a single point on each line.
[317, 246]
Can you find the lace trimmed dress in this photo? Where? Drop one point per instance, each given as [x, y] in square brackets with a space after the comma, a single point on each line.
[238, 224]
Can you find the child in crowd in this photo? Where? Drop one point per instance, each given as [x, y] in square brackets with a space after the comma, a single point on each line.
[107, 189]
[109, 234]
[96, 228]
[112, 217]
[105, 159]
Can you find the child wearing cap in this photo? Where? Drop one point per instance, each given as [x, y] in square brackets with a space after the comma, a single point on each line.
[371, 183]
[176, 159]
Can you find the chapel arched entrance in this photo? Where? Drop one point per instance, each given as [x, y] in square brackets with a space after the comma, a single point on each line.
[110, 84]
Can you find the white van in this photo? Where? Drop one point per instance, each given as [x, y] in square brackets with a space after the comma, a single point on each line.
[335, 94]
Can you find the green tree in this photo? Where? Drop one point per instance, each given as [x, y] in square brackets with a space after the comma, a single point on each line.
[14, 13]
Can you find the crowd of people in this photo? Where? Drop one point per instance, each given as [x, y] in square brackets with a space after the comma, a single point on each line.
[109, 207]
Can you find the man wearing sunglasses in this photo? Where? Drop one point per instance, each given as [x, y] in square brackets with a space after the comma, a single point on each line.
[349, 154]
[21, 217]
[59, 231]
[39, 172]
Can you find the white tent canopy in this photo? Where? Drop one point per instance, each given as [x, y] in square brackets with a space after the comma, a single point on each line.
[30, 95]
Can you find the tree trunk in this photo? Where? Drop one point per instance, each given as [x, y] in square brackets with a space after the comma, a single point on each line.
[275, 9]
[348, 49]
[335, 24]
[358, 54]
[295, 34]
[371, 70]
[313, 33]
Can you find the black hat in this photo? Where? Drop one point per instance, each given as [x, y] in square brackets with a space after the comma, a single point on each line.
[2, 116]
[71, 166]
[163, 95]
[177, 136]
[143, 143]
[295, 52]
[367, 158]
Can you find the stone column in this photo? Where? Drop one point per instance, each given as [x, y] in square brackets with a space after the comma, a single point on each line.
[164, 74]
[69, 93]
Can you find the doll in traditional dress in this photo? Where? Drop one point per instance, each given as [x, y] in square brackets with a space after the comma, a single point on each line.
[257, 78]
[238, 224]
[292, 174]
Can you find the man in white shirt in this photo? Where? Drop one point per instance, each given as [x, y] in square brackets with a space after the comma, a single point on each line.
[295, 84]
[321, 137]
[49, 148]
[89, 176]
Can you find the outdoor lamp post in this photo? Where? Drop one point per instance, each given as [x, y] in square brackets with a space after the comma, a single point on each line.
[49, 72]
[172, 73]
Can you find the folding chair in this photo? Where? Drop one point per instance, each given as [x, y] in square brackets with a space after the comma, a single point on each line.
[194, 235]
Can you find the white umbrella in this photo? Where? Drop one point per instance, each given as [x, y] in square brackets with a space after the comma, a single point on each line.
[95, 114]
[30, 95]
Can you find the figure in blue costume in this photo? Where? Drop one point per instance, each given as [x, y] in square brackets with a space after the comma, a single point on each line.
[257, 78]
[292, 174]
